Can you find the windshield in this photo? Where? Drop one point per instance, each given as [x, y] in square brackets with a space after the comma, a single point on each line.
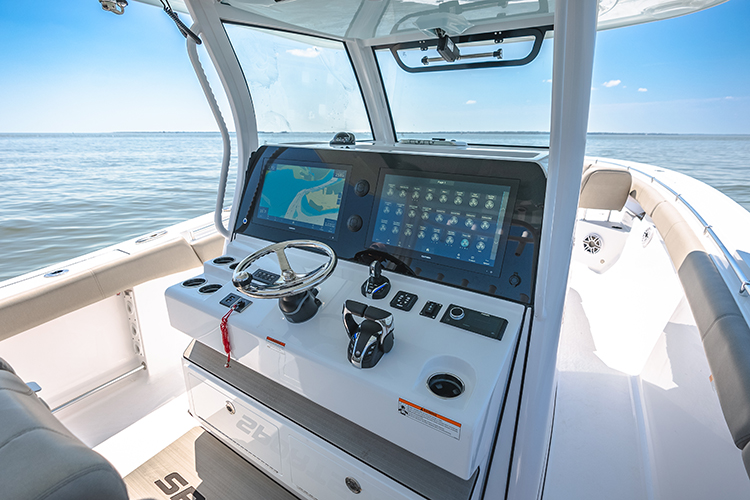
[299, 83]
[502, 105]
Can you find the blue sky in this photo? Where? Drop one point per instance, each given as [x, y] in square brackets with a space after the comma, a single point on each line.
[71, 67]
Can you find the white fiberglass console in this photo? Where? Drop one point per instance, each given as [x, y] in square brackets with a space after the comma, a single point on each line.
[421, 421]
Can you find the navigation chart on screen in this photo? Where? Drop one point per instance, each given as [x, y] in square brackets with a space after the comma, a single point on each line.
[302, 196]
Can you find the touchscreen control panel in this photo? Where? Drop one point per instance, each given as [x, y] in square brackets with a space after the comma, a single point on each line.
[301, 195]
[442, 216]
[472, 223]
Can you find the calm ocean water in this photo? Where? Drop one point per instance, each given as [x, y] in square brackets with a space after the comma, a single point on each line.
[64, 195]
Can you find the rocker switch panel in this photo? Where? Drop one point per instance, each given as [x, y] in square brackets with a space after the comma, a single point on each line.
[404, 300]
[431, 309]
[265, 277]
[233, 299]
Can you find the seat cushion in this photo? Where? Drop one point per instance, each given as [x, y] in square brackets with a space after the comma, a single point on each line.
[40, 458]
[604, 188]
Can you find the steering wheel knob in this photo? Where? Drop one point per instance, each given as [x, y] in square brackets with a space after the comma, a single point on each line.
[242, 278]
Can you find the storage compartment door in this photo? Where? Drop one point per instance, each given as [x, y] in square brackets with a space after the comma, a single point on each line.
[237, 421]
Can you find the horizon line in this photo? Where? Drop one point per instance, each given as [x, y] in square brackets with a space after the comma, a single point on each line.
[409, 132]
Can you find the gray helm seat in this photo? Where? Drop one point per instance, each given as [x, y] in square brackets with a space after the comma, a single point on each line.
[40, 458]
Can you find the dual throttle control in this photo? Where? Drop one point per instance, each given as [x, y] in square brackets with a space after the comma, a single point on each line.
[369, 339]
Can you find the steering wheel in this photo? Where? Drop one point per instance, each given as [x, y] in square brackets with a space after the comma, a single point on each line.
[293, 283]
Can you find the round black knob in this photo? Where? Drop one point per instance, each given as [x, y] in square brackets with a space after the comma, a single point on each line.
[243, 278]
[354, 223]
[362, 188]
[456, 313]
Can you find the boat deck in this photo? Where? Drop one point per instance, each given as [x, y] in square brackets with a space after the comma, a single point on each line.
[636, 415]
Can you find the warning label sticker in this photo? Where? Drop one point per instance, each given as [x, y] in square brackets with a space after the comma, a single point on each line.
[429, 418]
[275, 345]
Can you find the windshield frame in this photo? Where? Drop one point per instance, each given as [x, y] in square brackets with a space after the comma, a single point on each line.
[546, 32]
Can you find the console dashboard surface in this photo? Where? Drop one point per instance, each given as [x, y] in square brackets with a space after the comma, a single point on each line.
[472, 223]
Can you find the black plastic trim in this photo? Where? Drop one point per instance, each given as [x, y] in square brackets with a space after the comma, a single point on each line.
[538, 34]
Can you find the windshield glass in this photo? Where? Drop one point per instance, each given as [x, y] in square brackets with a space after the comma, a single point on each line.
[299, 83]
[502, 106]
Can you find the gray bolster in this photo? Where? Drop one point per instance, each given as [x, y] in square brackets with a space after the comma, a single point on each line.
[726, 340]
[4, 365]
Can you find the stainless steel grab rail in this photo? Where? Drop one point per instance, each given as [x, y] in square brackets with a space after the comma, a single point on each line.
[93, 391]
[707, 229]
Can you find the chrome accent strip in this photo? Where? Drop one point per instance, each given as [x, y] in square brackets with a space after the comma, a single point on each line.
[707, 228]
[55, 274]
[93, 391]
[152, 236]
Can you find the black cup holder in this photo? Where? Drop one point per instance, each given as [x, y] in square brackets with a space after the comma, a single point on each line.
[233, 266]
[445, 385]
[224, 260]
[209, 288]
[193, 282]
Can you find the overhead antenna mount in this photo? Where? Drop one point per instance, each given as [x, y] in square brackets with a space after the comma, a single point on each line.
[114, 6]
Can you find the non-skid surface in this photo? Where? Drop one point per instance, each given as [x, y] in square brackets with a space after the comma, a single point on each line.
[200, 467]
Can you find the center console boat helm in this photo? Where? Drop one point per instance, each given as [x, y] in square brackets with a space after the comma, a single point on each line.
[461, 250]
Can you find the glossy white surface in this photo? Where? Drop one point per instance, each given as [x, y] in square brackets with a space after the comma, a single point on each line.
[313, 361]
[636, 413]
[287, 453]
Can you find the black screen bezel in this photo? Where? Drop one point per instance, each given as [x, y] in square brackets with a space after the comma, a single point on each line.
[416, 256]
[315, 233]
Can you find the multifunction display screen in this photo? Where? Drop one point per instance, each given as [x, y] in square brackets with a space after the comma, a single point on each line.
[302, 196]
[454, 219]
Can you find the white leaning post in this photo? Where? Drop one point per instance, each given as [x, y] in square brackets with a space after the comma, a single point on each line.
[575, 35]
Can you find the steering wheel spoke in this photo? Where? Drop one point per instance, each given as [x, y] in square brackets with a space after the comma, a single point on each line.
[286, 270]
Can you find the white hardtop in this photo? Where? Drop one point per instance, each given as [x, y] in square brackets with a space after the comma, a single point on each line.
[379, 22]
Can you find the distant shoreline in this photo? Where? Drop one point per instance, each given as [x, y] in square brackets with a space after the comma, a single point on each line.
[437, 133]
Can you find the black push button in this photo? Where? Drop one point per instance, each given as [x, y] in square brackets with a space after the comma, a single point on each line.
[431, 310]
[456, 313]
[265, 277]
[404, 300]
[354, 223]
[362, 188]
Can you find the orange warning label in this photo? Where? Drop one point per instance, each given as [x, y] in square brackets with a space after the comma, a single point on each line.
[429, 418]
[274, 344]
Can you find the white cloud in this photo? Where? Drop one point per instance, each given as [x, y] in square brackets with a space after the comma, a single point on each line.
[547, 81]
[612, 83]
[308, 52]
[471, 101]
[642, 90]
[729, 98]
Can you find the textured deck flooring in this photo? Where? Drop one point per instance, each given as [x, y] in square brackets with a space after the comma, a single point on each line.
[198, 465]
